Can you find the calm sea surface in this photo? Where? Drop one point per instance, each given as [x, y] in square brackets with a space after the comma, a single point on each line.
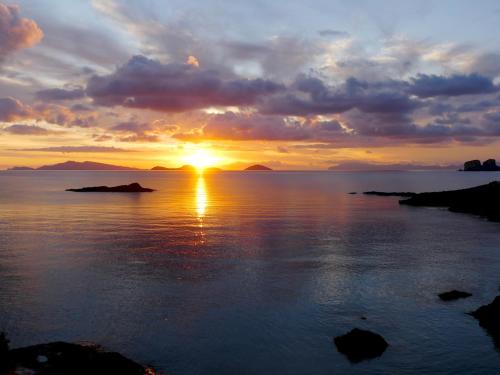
[247, 273]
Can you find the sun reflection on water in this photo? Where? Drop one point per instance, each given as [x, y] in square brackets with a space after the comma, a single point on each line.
[201, 198]
[201, 206]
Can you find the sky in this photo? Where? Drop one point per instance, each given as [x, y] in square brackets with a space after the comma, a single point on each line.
[290, 84]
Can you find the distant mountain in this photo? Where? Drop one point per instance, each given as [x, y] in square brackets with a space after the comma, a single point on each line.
[20, 169]
[355, 166]
[258, 167]
[185, 167]
[84, 166]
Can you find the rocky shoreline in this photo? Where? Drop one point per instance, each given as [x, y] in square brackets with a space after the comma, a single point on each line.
[483, 200]
[66, 358]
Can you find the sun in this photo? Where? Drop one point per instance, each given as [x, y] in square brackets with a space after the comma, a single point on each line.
[201, 159]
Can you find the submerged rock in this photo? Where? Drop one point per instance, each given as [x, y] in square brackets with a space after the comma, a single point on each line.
[66, 358]
[489, 318]
[453, 295]
[483, 200]
[132, 188]
[359, 344]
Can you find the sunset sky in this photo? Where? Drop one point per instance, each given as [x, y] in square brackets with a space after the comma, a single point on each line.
[290, 84]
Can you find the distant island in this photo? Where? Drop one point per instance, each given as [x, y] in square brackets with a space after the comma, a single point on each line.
[131, 188]
[258, 167]
[21, 169]
[186, 167]
[489, 165]
[94, 166]
[77, 166]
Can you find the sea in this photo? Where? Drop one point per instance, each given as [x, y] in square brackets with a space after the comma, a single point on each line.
[248, 272]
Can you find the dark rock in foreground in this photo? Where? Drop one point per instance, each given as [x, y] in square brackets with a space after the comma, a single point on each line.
[483, 200]
[390, 194]
[489, 319]
[66, 358]
[453, 295]
[489, 165]
[132, 188]
[359, 344]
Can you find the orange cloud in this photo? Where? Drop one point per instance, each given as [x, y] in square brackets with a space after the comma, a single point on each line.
[16, 32]
[193, 61]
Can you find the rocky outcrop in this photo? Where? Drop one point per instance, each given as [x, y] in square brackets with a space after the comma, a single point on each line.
[453, 295]
[483, 200]
[132, 188]
[66, 358]
[489, 165]
[489, 318]
[359, 345]
[258, 167]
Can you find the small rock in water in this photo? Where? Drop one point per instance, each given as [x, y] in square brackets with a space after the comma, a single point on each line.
[353, 192]
[359, 344]
[453, 295]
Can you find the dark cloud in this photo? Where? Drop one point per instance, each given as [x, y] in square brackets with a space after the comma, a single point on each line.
[21, 129]
[426, 86]
[68, 149]
[16, 32]
[60, 94]
[311, 96]
[80, 108]
[12, 109]
[64, 116]
[487, 64]
[148, 84]
[334, 33]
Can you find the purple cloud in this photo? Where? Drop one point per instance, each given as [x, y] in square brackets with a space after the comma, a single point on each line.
[426, 86]
[12, 109]
[20, 129]
[60, 94]
[149, 84]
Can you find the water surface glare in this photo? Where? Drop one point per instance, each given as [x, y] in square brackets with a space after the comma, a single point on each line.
[247, 273]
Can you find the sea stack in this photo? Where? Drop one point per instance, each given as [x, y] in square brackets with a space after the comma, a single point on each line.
[489, 165]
